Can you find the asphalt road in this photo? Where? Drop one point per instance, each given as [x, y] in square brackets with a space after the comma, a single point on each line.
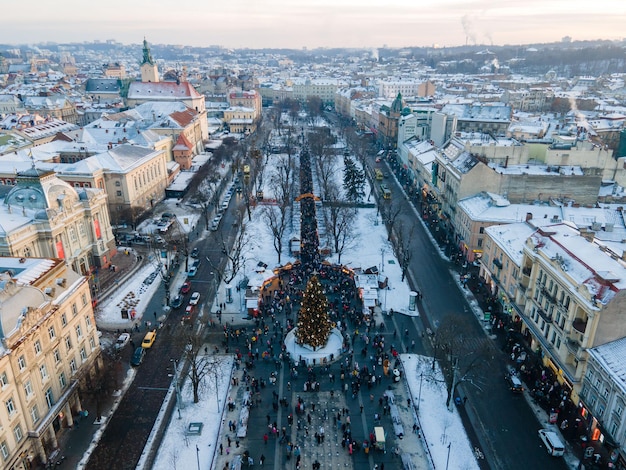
[504, 425]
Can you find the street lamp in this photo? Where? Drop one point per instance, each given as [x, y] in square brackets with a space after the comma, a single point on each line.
[448, 459]
[177, 386]
[419, 399]
[198, 456]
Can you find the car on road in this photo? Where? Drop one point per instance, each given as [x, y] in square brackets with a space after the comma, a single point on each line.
[186, 287]
[513, 381]
[195, 298]
[188, 313]
[192, 271]
[122, 341]
[195, 253]
[137, 356]
[148, 340]
[215, 224]
[177, 301]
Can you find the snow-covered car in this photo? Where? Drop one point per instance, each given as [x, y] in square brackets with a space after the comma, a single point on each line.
[177, 302]
[195, 253]
[122, 341]
[195, 298]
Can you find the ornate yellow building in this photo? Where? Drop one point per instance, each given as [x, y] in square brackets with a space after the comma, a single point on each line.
[49, 346]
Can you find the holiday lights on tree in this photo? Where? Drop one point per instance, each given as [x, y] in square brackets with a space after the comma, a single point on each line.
[313, 322]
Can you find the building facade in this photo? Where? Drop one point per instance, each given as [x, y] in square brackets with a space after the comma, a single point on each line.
[49, 346]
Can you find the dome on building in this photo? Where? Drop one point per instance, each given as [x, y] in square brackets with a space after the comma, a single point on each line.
[40, 189]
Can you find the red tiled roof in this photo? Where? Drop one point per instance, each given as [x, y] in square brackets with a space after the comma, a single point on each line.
[184, 117]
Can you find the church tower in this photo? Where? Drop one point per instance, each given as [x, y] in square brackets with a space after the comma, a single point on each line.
[149, 68]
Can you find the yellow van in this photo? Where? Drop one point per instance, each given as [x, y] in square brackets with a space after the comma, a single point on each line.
[148, 340]
[379, 174]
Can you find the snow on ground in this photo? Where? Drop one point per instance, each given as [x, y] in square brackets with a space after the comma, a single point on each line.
[179, 449]
[132, 295]
[370, 248]
[442, 429]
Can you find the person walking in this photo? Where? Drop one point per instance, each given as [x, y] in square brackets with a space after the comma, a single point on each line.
[261, 460]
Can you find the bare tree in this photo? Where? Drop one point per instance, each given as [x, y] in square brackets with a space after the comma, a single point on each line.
[235, 256]
[461, 361]
[201, 364]
[389, 211]
[339, 219]
[402, 246]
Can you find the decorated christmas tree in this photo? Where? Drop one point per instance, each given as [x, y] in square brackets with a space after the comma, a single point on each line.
[313, 322]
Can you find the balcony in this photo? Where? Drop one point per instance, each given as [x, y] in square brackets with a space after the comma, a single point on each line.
[526, 271]
[497, 263]
[573, 346]
[580, 325]
[543, 314]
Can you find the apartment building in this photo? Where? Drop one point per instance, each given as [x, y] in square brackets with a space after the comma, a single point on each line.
[49, 346]
[574, 295]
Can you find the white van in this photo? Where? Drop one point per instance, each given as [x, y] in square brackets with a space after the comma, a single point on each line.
[553, 442]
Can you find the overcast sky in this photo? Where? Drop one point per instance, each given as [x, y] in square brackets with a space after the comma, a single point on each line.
[313, 23]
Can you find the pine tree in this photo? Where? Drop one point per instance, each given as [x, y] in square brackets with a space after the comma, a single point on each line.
[353, 180]
[313, 322]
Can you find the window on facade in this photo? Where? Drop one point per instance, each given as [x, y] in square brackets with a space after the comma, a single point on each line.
[92, 343]
[10, 404]
[37, 347]
[566, 305]
[17, 432]
[68, 343]
[73, 367]
[553, 340]
[481, 230]
[43, 370]
[84, 299]
[74, 310]
[118, 184]
[4, 450]
[4, 379]
[62, 380]
[21, 362]
[51, 333]
[83, 354]
[63, 320]
[57, 356]
[49, 398]
[558, 343]
[73, 234]
[34, 413]
[606, 393]
[79, 332]
[88, 321]
[479, 243]
[28, 388]
[613, 428]
[118, 193]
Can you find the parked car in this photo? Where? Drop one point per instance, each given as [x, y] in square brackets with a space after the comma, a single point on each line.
[193, 270]
[137, 356]
[195, 253]
[122, 341]
[148, 340]
[195, 298]
[177, 301]
[186, 287]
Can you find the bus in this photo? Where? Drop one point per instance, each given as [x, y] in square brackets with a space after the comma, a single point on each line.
[385, 191]
[378, 174]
